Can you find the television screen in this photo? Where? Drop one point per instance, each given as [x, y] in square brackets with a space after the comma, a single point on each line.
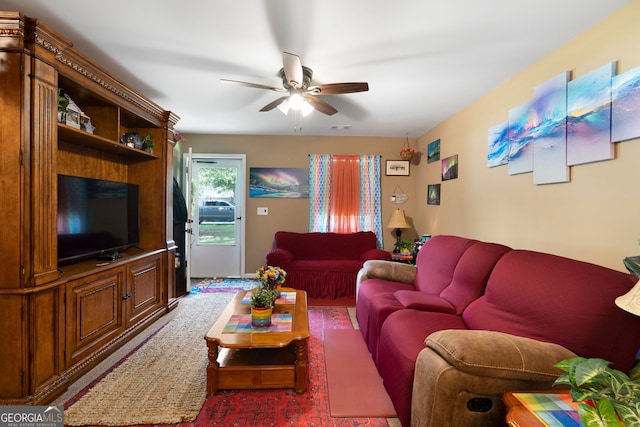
[95, 216]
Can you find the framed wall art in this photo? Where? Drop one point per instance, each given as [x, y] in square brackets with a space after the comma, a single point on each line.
[433, 151]
[450, 168]
[433, 194]
[397, 168]
[281, 183]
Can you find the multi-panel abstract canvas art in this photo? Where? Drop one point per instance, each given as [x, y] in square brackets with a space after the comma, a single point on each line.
[567, 123]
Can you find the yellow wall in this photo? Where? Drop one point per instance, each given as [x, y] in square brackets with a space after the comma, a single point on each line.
[595, 217]
[293, 151]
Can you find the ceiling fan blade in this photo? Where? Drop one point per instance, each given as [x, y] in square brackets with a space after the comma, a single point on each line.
[338, 88]
[293, 69]
[254, 85]
[320, 105]
[270, 106]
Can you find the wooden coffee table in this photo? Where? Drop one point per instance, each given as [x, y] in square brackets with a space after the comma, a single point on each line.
[251, 360]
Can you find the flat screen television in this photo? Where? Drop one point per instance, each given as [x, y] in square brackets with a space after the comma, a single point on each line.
[96, 218]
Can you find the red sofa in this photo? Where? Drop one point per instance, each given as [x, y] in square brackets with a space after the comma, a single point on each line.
[325, 265]
[473, 320]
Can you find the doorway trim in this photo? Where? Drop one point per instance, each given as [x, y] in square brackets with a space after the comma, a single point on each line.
[189, 158]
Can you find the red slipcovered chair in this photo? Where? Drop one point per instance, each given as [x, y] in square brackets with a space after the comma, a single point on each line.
[325, 265]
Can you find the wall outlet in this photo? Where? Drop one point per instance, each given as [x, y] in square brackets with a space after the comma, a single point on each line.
[263, 211]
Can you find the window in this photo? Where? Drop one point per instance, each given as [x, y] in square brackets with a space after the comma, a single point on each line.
[344, 194]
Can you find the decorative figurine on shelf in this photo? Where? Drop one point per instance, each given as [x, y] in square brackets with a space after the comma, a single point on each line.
[131, 139]
[86, 123]
[73, 114]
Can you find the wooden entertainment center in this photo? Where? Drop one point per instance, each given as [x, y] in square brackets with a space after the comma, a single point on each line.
[59, 321]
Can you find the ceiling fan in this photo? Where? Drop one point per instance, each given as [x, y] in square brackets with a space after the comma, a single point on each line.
[296, 82]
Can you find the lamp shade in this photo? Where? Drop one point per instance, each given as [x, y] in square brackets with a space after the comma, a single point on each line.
[398, 220]
[631, 300]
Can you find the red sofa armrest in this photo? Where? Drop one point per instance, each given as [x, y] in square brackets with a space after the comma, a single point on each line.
[279, 257]
[375, 254]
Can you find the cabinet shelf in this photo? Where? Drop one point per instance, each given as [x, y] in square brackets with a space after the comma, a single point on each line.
[82, 138]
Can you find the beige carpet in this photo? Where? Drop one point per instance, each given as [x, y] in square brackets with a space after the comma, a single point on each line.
[164, 382]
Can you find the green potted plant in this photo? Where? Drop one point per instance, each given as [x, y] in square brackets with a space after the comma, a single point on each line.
[63, 101]
[607, 396]
[404, 246]
[147, 143]
[262, 301]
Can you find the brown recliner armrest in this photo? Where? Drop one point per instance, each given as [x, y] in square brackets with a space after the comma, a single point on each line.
[387, 270]
[461, 375]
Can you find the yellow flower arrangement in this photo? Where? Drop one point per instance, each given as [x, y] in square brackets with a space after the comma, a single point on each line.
[270, 276]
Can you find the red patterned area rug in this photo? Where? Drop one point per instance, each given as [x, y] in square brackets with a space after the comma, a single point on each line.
[284, 407]
[275, 407]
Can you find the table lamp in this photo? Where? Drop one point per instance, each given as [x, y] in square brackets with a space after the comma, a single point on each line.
[398, 221]
[631, 300]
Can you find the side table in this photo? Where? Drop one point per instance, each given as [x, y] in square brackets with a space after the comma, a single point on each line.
[531, 409]
[406, 259]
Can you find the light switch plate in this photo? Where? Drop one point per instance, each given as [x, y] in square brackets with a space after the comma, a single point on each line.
[263, 211]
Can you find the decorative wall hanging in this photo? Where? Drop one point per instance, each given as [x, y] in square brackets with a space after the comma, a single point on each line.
[498, 153]
[406, 152]
[433, 151]
[433, 194]
[589, 117]
[601, 109]
[625, 106]
[398, 196]
[550, 131]
[397, 168]
[283, 183]
[450, 168]
[520, 149]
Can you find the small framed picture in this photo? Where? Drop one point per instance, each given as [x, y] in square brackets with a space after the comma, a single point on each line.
[397, 167]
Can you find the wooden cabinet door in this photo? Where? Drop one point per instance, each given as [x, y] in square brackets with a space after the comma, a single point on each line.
[143, 288]
[94, 313]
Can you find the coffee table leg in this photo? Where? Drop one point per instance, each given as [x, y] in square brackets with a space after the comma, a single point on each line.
[212, 369]
[301, 366]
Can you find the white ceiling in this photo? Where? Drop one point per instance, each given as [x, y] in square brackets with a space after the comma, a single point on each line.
[424, 60]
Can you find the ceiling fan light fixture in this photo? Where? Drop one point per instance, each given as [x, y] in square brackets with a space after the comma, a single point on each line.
[296, 101]
[306, 109]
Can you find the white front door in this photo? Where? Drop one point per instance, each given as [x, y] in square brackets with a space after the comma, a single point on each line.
[217, 211]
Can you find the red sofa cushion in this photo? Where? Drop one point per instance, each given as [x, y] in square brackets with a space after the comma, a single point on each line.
[325, 246]
[422, 301]
[436, 262]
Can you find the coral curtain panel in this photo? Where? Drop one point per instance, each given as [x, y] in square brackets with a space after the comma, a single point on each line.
[344, 194]
[344, 211]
